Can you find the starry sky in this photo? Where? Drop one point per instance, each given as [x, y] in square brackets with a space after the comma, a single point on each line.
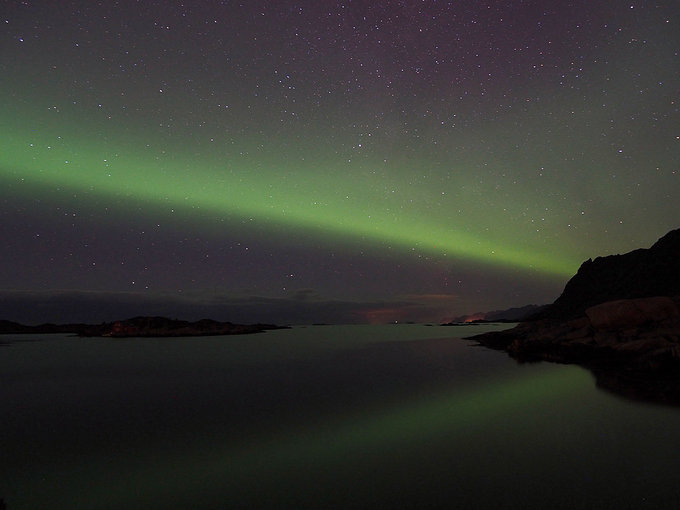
[327, 161]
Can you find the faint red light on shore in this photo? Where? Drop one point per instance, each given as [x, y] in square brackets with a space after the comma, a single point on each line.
[476, 317]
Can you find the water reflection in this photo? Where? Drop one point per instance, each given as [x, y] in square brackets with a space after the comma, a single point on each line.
[661, 386]
[650, 387]
[320, 418]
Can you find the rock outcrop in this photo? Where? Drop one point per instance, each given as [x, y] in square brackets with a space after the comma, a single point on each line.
[632, 313]
[641, 333]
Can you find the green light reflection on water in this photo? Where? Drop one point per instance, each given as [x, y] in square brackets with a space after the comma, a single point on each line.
[345, 447]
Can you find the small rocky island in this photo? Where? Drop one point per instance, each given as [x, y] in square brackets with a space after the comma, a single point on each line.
[618, 316]
[141, 327]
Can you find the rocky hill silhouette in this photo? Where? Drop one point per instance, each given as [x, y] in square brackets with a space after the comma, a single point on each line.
[619, 316]
[640, 273]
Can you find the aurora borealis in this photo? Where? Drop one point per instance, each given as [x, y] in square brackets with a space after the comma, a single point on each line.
[327, 160]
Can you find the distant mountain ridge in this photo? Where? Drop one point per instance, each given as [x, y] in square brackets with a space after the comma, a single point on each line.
[515, 314]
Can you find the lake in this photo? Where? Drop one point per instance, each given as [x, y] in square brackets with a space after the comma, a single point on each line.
[394, 416]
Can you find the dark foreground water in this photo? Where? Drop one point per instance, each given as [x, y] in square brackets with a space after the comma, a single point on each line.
[320, 417]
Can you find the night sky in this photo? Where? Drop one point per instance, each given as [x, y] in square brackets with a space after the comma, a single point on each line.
[327, 161]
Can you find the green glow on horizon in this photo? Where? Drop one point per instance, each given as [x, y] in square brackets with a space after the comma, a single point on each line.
[362, 204]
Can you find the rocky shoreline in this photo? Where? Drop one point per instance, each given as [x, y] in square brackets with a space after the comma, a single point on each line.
[639, 361]
[640, 334]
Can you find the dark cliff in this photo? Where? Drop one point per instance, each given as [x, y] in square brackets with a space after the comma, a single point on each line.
[640, 273]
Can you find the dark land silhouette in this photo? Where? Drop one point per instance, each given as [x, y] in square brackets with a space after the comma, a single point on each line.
[619, 316]
[140, 327]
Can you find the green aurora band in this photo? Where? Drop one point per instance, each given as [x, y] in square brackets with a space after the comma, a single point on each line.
[321, 198]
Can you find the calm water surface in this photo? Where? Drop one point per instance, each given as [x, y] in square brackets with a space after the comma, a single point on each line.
[402, 416]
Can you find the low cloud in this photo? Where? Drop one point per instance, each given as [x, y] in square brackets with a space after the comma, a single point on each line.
[305, 306]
